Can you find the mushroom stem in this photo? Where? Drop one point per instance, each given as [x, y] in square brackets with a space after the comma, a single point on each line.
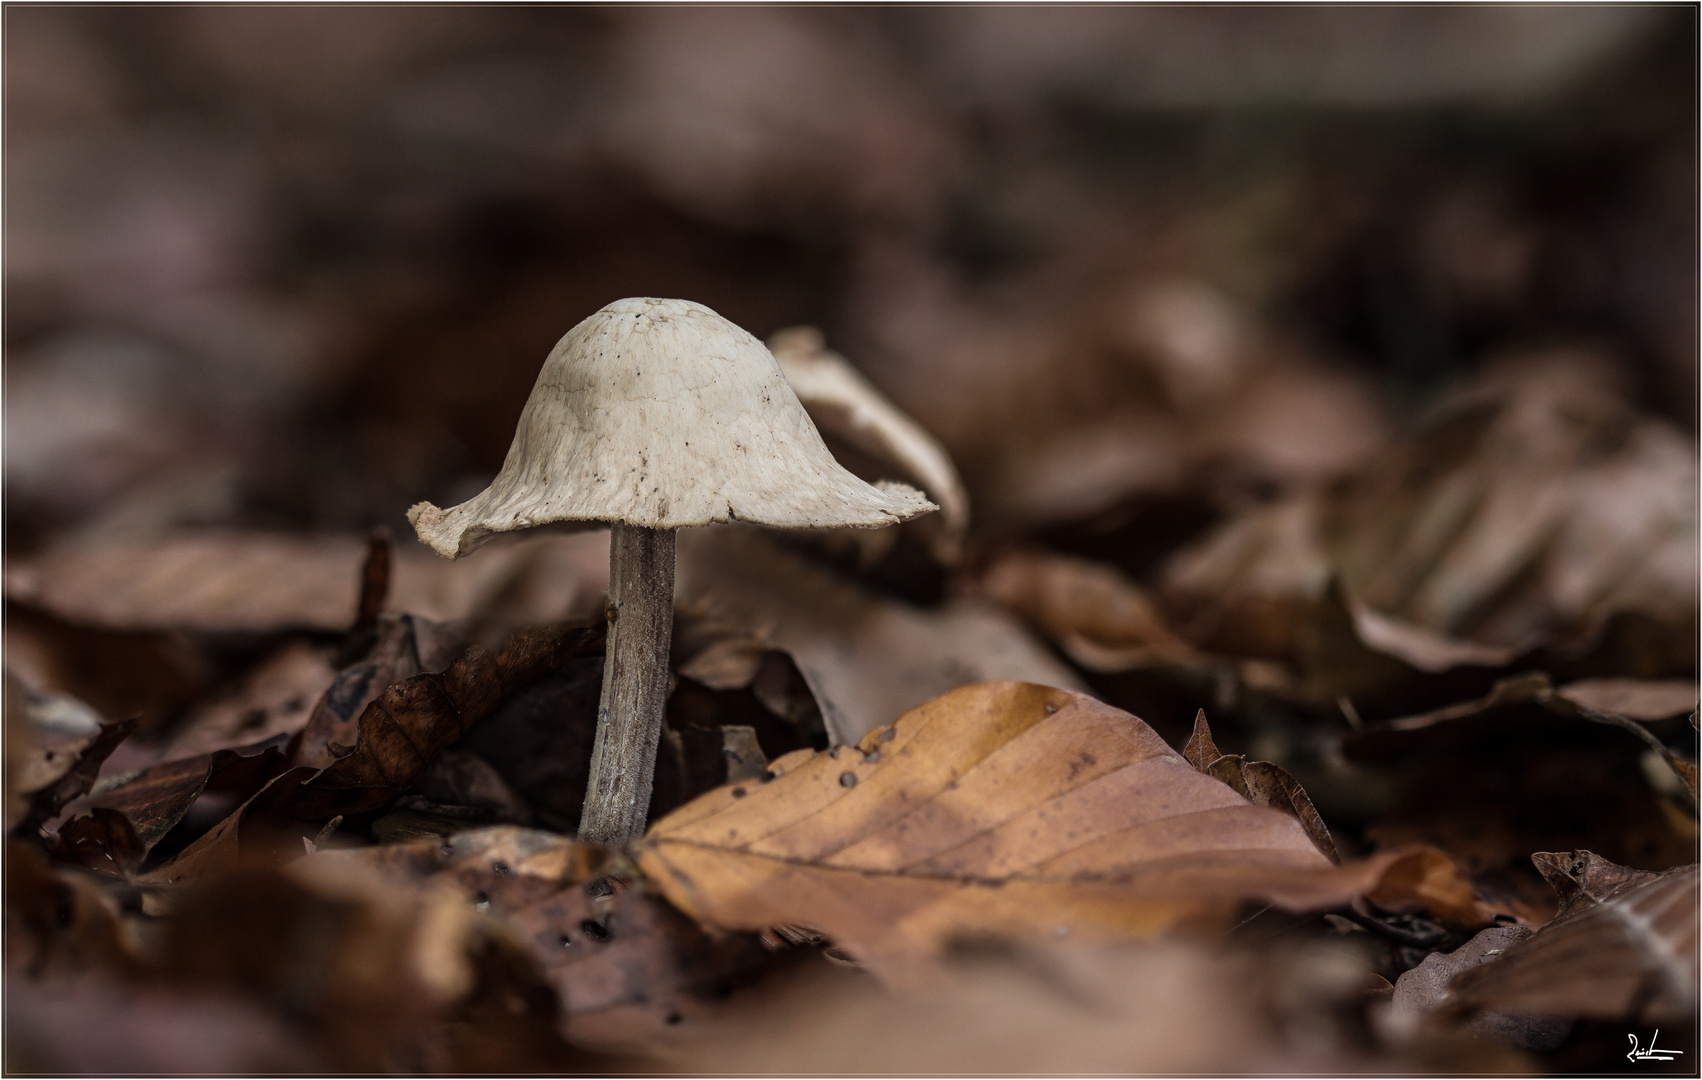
[635, 684]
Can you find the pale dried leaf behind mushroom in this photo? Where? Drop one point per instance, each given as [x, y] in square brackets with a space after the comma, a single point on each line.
[843, 403]
[865, 657]
[222, 581]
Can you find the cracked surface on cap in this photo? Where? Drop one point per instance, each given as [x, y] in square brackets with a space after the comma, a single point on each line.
[662, 413]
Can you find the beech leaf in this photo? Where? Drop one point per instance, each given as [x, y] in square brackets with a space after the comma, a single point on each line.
[1630, 955]
[1001, 808]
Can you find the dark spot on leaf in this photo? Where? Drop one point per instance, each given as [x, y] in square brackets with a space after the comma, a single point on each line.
[847, 779]
[594, 930]
[738, 793]
[886, 736]
[499, 868]
[675, 1017]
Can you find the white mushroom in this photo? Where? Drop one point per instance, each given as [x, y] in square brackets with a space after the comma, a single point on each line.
[653, 415]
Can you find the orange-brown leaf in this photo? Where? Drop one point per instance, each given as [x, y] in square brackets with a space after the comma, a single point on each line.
[1003, 808]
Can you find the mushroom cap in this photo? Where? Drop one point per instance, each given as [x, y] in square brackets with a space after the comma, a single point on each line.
[662, 413]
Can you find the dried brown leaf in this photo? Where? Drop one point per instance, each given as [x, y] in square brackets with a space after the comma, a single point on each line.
[1260, 782]
[46, 803]
[1200, 750]
[1000, 808]
[222, 581]
[1426, 987]
[1632, 955]
[866, 658]
[1535, 688]
[627, 968]
[1531, 510]
[45, 733]
[102, 840]
[400, 734]
[1582, 878]
[129, 819]
[212, 581]
[1639, 699]
[745, 759]
[844, 404]
[1103, 620]
[1272, 785]
[275, 698]
[404, 646]
[406, 727]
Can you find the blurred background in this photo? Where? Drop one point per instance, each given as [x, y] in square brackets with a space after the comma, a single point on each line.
[296, 268]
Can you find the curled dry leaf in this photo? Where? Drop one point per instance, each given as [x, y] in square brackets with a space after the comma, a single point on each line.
[127, 820]
[405, 728]
[866, 658]
[1103, 620]
[1571, 701]
[404, 646]
[1629, 955]
[844, 404]
[221, 582]
[1583, 879]
[1260, 782]
[1000, 808]
[46, 803]
[1531, 510]
[400, 734]
[1637, 699]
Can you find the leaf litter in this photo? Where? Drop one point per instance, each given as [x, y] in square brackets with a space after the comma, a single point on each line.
[1387, 470]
